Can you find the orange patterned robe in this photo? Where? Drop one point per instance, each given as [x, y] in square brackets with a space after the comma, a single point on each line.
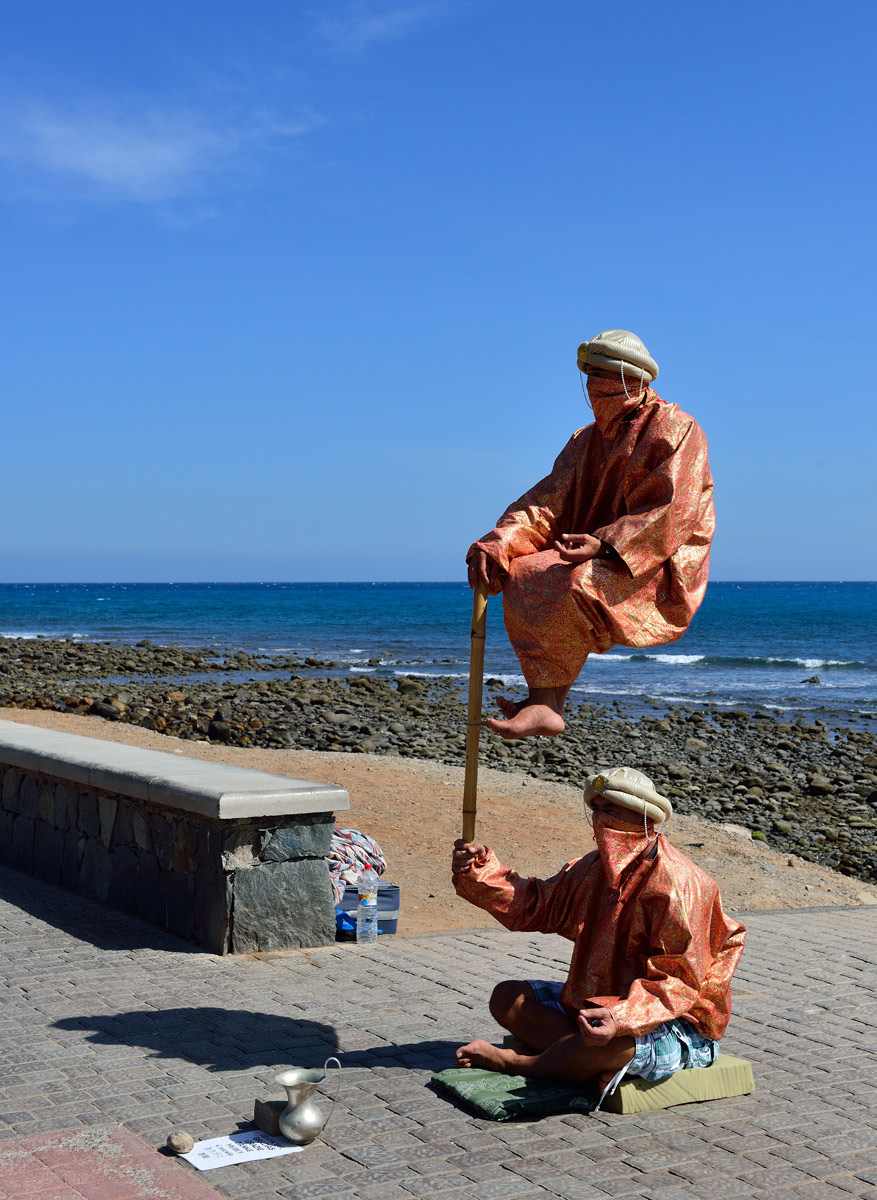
[640, 481]
[651, 941]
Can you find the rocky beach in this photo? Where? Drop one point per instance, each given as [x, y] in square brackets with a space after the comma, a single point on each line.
[805, 787]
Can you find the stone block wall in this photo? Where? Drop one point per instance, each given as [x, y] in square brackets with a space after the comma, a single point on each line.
[232, 885]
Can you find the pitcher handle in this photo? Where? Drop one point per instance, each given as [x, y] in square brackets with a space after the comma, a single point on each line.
[337, 1089]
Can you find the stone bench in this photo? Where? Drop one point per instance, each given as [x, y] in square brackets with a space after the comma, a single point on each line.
[229, 857]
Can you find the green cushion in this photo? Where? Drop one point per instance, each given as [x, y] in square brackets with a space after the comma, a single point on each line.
[498, 1097]
[728, 1076]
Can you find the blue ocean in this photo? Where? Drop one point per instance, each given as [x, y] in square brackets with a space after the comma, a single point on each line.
[751, 644]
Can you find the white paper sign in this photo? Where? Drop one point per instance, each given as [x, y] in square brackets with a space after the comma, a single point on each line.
[238, 1148]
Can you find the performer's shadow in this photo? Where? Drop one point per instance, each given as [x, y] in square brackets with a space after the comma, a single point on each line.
[223, 1039]
[217, 1039]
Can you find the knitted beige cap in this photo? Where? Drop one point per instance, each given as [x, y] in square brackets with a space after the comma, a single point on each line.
[615, 347]
[631, 789]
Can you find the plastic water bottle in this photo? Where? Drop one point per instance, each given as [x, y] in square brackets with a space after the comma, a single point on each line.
[367, 909]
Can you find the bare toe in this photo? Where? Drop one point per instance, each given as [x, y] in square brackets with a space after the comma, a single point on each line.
[532, 720]
[481, 1054]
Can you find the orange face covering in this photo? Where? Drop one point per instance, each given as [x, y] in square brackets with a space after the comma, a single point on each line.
[619, 845]
[610, 402]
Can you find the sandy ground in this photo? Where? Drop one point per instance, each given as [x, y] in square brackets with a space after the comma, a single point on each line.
[412, 808]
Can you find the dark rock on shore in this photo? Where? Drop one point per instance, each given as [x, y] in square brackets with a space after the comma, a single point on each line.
[800, 786]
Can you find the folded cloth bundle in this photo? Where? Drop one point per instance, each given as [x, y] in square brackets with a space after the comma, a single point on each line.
[349, 853]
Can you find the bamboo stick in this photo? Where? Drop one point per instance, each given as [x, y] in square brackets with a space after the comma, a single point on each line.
[473, 717]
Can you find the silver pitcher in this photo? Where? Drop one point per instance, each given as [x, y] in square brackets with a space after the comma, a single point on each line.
[301, 1121]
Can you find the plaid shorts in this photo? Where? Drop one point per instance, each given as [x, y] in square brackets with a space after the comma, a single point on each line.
[672, 1046]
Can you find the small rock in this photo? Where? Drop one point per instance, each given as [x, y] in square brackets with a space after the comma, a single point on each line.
[180, 1142]
[812, 679]
[696, 744]
[738, 830]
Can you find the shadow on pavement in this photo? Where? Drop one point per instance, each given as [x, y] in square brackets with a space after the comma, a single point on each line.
[105, 928]
[220, 1039]
[223, 1039]
[429, 1055]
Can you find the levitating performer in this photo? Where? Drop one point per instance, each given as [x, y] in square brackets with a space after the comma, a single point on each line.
[611, 548]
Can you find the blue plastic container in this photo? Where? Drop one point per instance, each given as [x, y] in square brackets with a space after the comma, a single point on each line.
[388, 909]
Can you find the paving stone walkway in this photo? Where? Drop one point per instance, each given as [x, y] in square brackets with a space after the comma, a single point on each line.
[106, 1022]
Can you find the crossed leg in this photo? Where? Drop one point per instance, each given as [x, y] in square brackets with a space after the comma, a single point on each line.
[551, 1046]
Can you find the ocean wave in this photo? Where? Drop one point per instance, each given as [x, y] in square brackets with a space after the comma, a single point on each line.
[27, 635]
[643, 656]
[796, 664]
[507, 680]
[676, 660]
[721, 660]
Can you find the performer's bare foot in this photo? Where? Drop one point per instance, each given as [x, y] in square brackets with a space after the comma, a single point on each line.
[484, 1055]
[534, 720]
[537, 716]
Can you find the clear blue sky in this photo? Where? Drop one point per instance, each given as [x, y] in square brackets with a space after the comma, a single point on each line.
[293, 291]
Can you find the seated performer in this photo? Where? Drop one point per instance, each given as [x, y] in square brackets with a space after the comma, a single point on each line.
[611, 548]
[648, 990]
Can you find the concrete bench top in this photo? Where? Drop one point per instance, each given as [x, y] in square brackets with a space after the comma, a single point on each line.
[172, 780]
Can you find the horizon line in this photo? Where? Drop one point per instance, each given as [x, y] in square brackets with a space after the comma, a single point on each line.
[335, 582]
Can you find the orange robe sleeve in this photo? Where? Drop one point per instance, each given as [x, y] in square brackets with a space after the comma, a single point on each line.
[525, 905]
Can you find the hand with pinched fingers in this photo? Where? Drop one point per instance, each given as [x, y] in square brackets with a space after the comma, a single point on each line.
[578, 547]
[596, 1026]
[466, 855]
[484, 569]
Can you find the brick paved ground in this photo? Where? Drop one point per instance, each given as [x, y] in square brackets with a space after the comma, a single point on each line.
[105, 1021]
[100, 1162]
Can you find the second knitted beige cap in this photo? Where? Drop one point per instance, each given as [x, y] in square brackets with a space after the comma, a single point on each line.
[629, 788]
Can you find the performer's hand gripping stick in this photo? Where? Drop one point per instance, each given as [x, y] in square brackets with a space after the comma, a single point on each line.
[473, 718]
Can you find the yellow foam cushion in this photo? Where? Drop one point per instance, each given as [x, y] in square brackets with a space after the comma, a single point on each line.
[728, 1076]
